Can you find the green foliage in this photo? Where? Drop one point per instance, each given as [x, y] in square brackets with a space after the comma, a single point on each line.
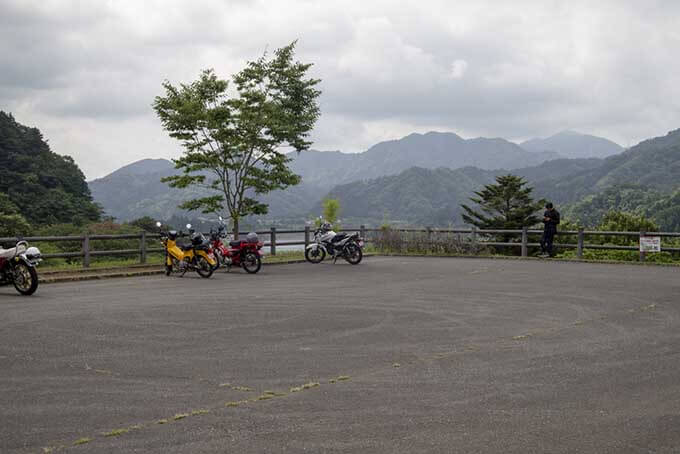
[629, 198]
[233, 141]
[331, 210]
[146, 223]
[13, 225]
[45, 187]
[621, 221]
[507, 204]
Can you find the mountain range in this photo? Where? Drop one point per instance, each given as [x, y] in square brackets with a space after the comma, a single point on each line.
[417, 178]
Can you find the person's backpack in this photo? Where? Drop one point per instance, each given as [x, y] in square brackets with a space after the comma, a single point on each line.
[556, 217]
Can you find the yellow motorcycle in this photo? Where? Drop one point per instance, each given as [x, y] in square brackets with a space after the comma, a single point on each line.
[196, 256]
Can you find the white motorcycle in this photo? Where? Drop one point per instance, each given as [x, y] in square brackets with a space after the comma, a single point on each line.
[336, 245]
[17, 266]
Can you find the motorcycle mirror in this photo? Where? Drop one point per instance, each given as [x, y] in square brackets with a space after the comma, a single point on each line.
[188, 226]
[158, 224]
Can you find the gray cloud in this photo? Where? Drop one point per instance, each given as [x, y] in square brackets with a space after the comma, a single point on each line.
[86, 72]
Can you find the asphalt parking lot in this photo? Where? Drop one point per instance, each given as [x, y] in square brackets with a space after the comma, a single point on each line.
[395, 355]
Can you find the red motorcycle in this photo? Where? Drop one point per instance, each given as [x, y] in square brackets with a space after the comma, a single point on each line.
[245, 253]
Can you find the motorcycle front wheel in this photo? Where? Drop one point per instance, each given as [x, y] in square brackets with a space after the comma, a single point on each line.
[353, 254]
[203, 267]
[25, 279]
[251, 263]
[315, 255]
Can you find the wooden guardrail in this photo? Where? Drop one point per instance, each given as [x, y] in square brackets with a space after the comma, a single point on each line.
[477, 237]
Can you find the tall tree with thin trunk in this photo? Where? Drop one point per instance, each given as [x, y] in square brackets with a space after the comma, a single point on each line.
[234, 134]
[507, 204]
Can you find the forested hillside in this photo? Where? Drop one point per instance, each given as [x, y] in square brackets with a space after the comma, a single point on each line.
[653, 163]
[38, 184]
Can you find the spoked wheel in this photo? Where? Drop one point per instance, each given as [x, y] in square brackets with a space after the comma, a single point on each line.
[315, 255]
[252, 263]
[353, 254]
[218, 258]
[203, 267]
[25, 279]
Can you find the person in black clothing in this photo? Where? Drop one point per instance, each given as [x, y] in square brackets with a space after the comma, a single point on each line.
[551, 218]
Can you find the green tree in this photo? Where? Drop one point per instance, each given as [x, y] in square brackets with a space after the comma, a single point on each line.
[507, 204]
[46, 187]
[233, 140]
[331, 210]
[146, 223]
[12, 223]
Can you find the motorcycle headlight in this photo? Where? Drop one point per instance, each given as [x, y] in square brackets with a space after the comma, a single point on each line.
[33, 253]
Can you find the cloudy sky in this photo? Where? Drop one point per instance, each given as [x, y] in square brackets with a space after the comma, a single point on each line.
[86, 72]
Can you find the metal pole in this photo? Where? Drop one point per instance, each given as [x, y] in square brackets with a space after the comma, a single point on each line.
[362, 231]
[86, 251]
[273, 241]
[579, 246]
[642, 253]
[142, 247]
[525, 241]
[306, 236]
[429, 238]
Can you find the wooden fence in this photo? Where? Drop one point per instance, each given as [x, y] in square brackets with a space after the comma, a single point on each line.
[476, 237]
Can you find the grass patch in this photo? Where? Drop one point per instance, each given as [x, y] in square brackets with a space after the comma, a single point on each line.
[344, 378]
[296, 389]
[332, 381]
[179, 416]
[116, 432]
[310, 385]
[162, 421]
[521, 337]
[82, 441]
[235, 403]
[47, 450]
[201, 411]
[396, 365]
[265, 396]
[244, 389]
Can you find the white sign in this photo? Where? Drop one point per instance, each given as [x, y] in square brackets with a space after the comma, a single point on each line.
[650, 244]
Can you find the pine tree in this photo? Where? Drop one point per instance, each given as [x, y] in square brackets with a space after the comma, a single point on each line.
[507, 204]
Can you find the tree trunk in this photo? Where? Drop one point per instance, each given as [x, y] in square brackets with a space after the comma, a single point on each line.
[235, 219]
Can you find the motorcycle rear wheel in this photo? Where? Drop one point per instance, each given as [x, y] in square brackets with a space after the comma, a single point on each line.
[353, 254]
[204, 268]
[315, 255]
[251, 263]
[25, 279]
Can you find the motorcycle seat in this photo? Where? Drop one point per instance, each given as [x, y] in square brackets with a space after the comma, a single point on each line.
[11, 252]
[185, 247]
[338, 237]
[235, 243]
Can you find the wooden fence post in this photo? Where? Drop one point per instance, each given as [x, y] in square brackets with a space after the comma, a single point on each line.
[362, 231]
[306, 236]
[525, 241]
[142, 247]
[86, 251]
[273, 241]
[642, 253]
[429, 238]
[579, 245]
[474, 239]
